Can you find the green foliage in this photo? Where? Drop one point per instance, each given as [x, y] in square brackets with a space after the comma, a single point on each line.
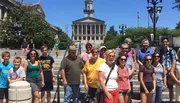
[178, 25]
[33, 27]
[177, 4]
[111, 33]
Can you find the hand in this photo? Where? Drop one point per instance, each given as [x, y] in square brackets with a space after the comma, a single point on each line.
[65, 83]
[164, 87]
[178, 83]
[53, 79]
[129, 90]
[12, 81]
[152, 91]
[109, 96]
[146, 91]
[86, 87]
[42, 84]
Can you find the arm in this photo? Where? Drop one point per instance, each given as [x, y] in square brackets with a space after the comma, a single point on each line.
[85, 79]
[134, 59]
[142, 82]
[172, 72]
[41, 73]
[63, 75]
[164, 78]
[25, 64]
[52, 71]
[154, 83]
[101, 80]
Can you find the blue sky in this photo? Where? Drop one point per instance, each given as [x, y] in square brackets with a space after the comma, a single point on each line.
[115, 12]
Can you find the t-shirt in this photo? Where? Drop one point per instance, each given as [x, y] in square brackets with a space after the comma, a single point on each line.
[86, 56]
[4, 69]
[91, 71]
[46, 63]
[25, 44]
[129, 64]
[73, 69]
[141, 54]
[19, 73]
[147, 73]
[123, 79]
[56, 46]
[159, 70]
[112, 82]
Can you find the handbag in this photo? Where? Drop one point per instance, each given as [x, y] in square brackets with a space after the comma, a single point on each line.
[100, 93]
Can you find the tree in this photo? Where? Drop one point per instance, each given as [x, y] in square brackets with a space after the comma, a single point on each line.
[177, 4]
[33, 27]
[178, 25]
[111, 33]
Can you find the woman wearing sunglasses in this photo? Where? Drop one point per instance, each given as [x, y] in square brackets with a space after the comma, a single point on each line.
[147, 80]
[123, 79]
[160, 78]
[34, 74]
[111, 88]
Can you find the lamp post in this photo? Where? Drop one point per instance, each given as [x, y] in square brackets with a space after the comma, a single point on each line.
[123, 30]
[154, 13]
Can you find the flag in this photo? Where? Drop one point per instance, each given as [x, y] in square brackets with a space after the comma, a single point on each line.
[138, 15]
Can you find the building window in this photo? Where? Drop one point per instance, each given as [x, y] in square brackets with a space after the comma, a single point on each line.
[79, 38]
[92, 37]
[97, 37]
[88, 38]
[75, 38]
[75, 29]
[101, 37]
[88, 29]
[84, 38]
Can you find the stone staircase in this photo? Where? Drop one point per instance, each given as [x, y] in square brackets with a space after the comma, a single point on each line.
[136, 86]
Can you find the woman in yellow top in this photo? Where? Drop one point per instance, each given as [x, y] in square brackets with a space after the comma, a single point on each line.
[90, 74]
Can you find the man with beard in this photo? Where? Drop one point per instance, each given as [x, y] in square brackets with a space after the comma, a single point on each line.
[71, 67]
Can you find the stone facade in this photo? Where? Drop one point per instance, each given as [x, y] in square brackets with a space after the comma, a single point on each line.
[88, 28]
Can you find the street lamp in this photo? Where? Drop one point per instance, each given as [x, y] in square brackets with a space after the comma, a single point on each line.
[154, 14]
[17, 29]
[123, 30]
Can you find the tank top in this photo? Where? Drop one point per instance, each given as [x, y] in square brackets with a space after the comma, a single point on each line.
[32, 71]
[123, 82]
[159, 75]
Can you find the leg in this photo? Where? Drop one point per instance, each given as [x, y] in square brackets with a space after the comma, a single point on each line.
[75, 93]
[36, 97]
[126, 98]
[42, 96]
[121, 98]
[154, 96]
[67, 94]
[143, 97]
[158, 94]
[149, 98]
[91, 93]
[1, 100]
[48, 97]
[171, 95]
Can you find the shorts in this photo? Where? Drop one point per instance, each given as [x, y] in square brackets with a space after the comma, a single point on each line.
[48, 86]
[131, 84]
[123, 93]
[177, 94]
[35, 83]
[149, 86]
[3, 92]
[92, 92]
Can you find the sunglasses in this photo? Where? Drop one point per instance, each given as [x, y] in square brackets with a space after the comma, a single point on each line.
[125, 48]
[95, 52]
[33, 53]
[156, 56]
[148, 59]
[123, 59]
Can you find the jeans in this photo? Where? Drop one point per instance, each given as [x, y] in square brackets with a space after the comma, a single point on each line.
[71, 91]
[157, 95]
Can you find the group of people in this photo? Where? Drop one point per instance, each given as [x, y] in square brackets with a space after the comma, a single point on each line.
[105, 70]
[38, 71]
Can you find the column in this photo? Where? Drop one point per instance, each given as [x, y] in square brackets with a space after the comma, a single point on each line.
[104, 29]
[82, 29]
[77, 29]
[0, 12]
[73, 30]
[90, 29]
[5, 13]
[86, 29]
[95, 28]
[99, 29]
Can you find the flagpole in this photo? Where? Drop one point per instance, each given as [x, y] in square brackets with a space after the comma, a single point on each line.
[137, 19]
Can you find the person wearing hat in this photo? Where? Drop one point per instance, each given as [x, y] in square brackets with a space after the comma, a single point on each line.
[102, 52]
[70, 70]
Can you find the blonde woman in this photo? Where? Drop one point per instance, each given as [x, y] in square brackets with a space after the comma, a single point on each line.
[111, 88]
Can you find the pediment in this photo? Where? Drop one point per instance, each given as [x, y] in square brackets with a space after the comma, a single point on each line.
[88, 20]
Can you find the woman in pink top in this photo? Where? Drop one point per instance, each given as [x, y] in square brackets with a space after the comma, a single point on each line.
[123, 79]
